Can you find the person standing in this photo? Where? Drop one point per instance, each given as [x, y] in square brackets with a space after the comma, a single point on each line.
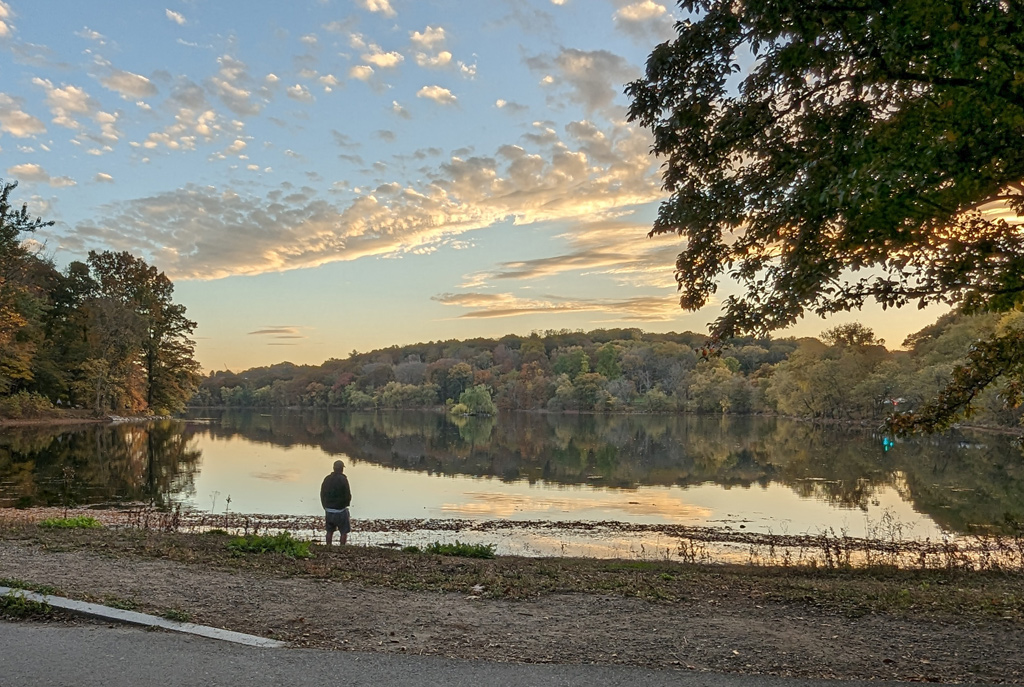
[335, 497]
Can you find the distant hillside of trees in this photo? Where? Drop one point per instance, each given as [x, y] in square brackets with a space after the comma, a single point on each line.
[846, 375]
[103, 335]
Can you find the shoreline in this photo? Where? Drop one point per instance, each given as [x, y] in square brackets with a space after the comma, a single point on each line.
[947, 626]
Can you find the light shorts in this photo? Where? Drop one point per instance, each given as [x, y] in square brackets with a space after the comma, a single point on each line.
[338, 520]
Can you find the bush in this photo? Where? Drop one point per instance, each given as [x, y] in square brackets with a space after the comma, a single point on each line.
[25, 405]
[460, 549]
[279, 543]
[15, 605]
[80, 522]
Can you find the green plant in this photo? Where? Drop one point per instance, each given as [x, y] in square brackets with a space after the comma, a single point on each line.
[411, 549]
[118, 602]
[216, 531]
[279, 543]
[22, 584]
[14, 604]
[78, 522]
[25, 404]
[177, 615]
[461, 549]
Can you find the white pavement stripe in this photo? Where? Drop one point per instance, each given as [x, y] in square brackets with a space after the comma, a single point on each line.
[144, 619]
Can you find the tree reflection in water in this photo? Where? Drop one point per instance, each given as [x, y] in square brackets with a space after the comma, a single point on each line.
[961, 481]
[152, 463]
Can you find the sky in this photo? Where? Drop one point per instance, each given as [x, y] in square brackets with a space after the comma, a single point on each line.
[324, 176]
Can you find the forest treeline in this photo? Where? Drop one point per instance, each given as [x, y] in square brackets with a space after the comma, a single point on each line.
[103, 335]
[846, 375]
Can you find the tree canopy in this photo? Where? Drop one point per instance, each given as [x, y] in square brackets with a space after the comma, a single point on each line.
[104, 334]
[829, 153]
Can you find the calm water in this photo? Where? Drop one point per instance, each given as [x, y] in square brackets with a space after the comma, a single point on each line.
[762, 474]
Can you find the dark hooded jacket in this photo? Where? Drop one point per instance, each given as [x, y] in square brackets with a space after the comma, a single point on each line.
[335, 492]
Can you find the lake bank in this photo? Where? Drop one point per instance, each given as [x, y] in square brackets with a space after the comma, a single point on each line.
[883, 623]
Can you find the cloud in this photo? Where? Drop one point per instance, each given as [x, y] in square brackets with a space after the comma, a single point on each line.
[205, 232]
[103, 177]
[438, 61]
[510, 106]
[361, 72]
[128, 84]
[232, 85]
[385, 60]
[279, 331]
[399, 110]
[15, 121]
[645, 21]
[6, 29]
[300, 93]
[66, 102]
[34, 173]
[496, 305]
[595, 77]
[91, 35]
[176, 17]
[381, 6]
[439, 95]
[431, 38]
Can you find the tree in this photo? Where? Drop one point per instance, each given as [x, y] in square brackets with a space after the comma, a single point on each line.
[869, 137]
[20, 302]
[139, 297]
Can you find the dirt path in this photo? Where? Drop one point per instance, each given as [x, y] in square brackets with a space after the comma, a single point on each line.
[735, 629]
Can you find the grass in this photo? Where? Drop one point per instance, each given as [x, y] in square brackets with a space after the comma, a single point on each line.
[79, 522]
[15, 605]
[15, 583]
[461, 549]
[282, 543]
[177, 615]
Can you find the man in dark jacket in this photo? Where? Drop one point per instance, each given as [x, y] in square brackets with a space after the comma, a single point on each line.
[335, 497]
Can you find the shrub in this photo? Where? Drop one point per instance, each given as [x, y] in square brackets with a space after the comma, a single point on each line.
[279, 543]
[79, 522]
[15, 605]
[461, 549]
[25, 405]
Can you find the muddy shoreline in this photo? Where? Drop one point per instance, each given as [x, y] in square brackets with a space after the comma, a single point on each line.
[845, 624]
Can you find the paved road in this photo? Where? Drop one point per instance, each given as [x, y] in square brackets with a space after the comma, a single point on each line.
[54, 655]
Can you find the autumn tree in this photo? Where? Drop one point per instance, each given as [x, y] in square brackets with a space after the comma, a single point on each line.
[20, 302]
[826, 154]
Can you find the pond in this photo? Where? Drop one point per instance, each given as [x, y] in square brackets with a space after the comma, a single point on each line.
[755, 474]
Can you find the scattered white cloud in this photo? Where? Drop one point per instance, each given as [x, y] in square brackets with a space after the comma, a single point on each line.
[430, 39]
[494, 305]
[510, 106]
[594, 78]
[15, 121]
[6, 29]
[309, 39]
[385, 60]
[91, 35]
[103, 177]
[232, 85]
[300, 93]
[438, 61]
[128, 84]
[399, 110]
[177, 17]
[381, 6]
[362, 72]
[438, 94]
[645, 21]
[32, 172]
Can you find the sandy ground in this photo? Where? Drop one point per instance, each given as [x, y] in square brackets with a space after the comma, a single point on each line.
[736, 629]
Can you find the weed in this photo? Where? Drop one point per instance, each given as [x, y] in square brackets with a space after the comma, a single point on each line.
[216, 531]
[118, 602]
[279, 543]
[15, 605]
[79, 522]
[22, 584]
[177, 615]
[461, 549]
[411, 549]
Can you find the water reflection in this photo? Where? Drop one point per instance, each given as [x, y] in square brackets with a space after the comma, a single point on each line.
[153, 463]
[664, 468]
